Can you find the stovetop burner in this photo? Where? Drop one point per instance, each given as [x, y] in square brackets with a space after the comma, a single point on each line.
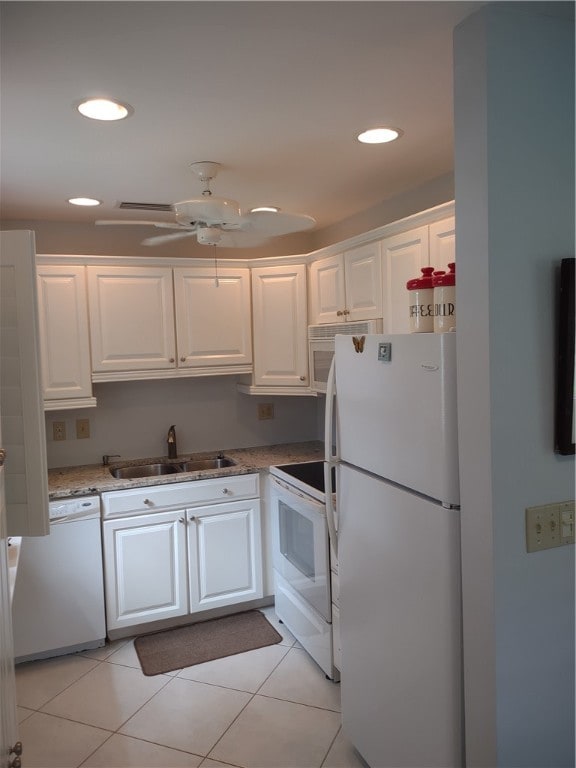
[310, 473]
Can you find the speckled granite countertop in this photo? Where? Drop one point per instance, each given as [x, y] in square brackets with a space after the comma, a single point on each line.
[95, 478]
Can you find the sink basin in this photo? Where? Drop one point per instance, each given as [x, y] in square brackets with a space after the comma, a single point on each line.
[195, 465]
[144, 470]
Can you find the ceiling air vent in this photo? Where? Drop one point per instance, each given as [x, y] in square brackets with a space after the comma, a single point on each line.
[146, 207]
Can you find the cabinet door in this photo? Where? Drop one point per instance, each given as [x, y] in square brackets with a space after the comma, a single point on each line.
[225, 555]
[402, 258]
[327, 290]
[145, 568]
[363, 273]
[280, 326]
[213, 317]
[131, 318]
[64, 335]
[443, 243]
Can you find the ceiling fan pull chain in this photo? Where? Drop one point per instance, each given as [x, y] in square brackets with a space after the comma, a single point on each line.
[216, 281]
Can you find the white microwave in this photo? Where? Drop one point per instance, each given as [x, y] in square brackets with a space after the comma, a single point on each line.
[321, 346]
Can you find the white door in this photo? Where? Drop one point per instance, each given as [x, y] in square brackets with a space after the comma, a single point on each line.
[64, 334]
[363, 270]
[225, 558]
[443, 243]
[8, 730]
[131, 318]
[145, 568]
[403, 256]
[327, 290]
[213, 325]
[280, 327]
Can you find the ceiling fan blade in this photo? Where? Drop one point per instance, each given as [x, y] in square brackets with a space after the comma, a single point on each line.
[122, 222]
[160, 239]
[277, 223]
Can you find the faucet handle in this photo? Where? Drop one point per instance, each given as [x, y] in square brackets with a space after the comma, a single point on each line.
[107, 456]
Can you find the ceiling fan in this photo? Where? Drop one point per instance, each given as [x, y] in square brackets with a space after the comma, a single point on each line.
[219, 221]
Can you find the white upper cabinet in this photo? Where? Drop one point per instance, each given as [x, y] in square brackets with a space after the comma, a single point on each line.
[64, 337]
[131, 318]
[280, 326]
[443, 243]
[347, 287]
[213, 316]
[403, 256]
[159, 322]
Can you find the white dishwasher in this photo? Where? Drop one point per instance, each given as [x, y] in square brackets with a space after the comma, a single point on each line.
[59, 593]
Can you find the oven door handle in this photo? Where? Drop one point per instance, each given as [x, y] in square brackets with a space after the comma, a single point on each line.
[330, 510]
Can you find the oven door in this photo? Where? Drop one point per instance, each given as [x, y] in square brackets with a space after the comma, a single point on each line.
[300, 545]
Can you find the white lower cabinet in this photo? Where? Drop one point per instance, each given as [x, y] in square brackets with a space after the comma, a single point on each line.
[145, 568]
[199, 554]
[224, 554]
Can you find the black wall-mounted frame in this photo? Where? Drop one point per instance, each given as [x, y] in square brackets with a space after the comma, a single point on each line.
[565, 361]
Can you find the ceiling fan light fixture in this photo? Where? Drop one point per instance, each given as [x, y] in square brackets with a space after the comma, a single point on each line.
[379, 135]
[84, 201]
[265, 209]
[104, 109]
[208, 235]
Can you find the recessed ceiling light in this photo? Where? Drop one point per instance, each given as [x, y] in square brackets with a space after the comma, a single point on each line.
[84, 201]
[379, 135]
[104, 109]
[265, 209]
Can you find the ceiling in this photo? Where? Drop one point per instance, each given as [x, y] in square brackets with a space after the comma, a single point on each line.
[274, 91]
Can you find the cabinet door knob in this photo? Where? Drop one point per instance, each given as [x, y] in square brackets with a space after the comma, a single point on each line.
[16, 763]
[182, 520]
[302, 378]
[148, 502]
[182, 359]
[192, 518]
[339, 313]
[2, 456]
[16, 749]
[171, 360]
[346, 312]
[225, 491]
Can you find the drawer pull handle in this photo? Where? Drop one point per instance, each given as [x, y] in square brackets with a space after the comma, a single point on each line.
[148, 502]
[225, 491]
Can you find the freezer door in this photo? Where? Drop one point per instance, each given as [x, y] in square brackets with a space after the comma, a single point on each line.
[396, 417]
[399, 572]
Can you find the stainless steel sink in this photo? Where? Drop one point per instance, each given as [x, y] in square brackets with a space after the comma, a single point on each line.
[194, 465]
[154, 470]
[144, 470]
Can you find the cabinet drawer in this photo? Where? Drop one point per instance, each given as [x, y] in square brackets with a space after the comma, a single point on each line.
[179, 495]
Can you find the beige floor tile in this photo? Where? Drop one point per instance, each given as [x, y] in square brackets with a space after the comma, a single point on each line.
[343, 755]
[126, 752]
[51, 742]
[106, 650]
[298, 678]
[244, 671]
[106, 696]
[187, 715]
[127, 657]
[278, 734]
[287, 636]
[39, 681]
[208, 763]
[22, 713]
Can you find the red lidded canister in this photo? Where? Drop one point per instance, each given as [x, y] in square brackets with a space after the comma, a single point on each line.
[421, 302]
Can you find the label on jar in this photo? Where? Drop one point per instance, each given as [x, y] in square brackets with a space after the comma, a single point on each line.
[444, 309]
[421, 311]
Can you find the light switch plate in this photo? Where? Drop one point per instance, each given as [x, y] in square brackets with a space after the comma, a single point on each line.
[549, 525]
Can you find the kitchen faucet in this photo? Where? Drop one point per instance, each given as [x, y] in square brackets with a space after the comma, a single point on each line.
[172, 452]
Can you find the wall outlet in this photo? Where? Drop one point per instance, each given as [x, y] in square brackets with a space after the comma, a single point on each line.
[549, 525]
[82, 428]
[265, 410]
[58, 430]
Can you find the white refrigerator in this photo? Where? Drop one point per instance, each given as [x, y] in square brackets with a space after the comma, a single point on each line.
[398, 543]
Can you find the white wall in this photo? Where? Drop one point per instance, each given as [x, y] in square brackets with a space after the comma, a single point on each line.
[514, 189]
[132, 419]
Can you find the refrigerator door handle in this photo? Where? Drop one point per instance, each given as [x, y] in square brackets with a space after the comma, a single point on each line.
[330, 510]
[330, 436]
